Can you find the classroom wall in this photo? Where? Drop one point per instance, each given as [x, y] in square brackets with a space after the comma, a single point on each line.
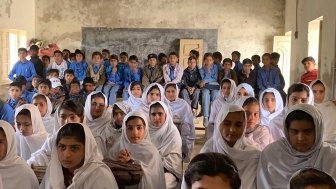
[309, 10]
[244, 25]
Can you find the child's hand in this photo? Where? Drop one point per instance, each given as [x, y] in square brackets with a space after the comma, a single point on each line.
[124, 156]
[114, 70]
[202, 83]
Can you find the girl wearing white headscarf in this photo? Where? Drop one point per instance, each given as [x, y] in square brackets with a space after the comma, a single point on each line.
[143, 153]
[182, 114]
[311, 178]
[243, 89]
[280, 160]
[14, 171]
[93, 173]
[243, 153]
[132, 101]
[42, 101]
[144, 106]
[168, 141]
[265, 115]
[327, 108]
[276, 124]
[30, 143]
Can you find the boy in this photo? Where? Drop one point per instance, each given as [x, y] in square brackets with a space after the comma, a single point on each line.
[236, 59]
[15, 92]
[57, 91]
[274, 61]
[132, 73]
[96, 70]
[312, 178]
[172, 72]
[218, 60]
[44, 87]
[152, 73]
[26, 95]
[35, 81]
[74, 93]
[72, 57]
[122, 64]
[6, 112]
[79, 67]
[88, 87]
[311, 72]
[113, 82]
[268, 76]
[38, 64]
[106, 57]
[227, 72]
[23, 67]
[256, 63]
[66, 54]
[52, 73]
[60, 64]
[69, 76]
[163, 59]
[247, 75]
[46, 63]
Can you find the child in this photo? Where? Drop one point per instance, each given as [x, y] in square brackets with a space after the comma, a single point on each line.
[76, 162]
[44, 105]
[247, 75]
[122, 64]
[154, 92]
[15, 173]
[66, 56]
[26, 95]
[60, 64]
[15, 96]
[46, 63]
[74, 93]
[268, 76]
[135, 90]
[173, 71]
[23, 67]
[69, 76]
[6, 112]
[57, 91]
[311, 178]
[152, 73]
[311, 72]
[190, 83]
[211, 170]
[80, 66]
[88, 87]
[113, 82]
[106, 57]
[44, 87]
[96, 70]
[256, 63]
[35, 81]
[235, 55]
[227, 72]
[243, 89]
[218, 60]
[132, 73]
[37, 62]
[72, 57]
[135, 146]
[163, 59]
[209, 85]
[194, 53]
[229, 139]
[30, 131]
[271, 105]
[183, 118]
[52, 73]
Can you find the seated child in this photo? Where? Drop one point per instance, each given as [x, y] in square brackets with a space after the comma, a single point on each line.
[235, 55]
[72, 57]
[243, 89]
[227, 72]
[44, 105]
[113, 82]
[311, 178]
[14, 96]
[6, 112]
[15, 173]
[66, 55]
[173, 71]
[106, 57]
[83, 168]
[122, 64]
[60, 64]
[218, 57]
[44, 87]
[96, 70]
[46, 63]
[74, 93]
[268, 75]
[135, 90]
[132, 73]
[26, 95]
[311, 71]
[154, 92]
[271, 105]
[52, 73]
[80, 66]
[247, 75]
[69, 76]
[88, 87]
[35, 81]
[163, 59]
[57, 93]
[152, 73]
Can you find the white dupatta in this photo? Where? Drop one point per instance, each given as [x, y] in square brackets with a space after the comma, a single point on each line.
[265, 115]
[133, 101]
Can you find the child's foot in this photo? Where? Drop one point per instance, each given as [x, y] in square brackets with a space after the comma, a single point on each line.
[205, 121]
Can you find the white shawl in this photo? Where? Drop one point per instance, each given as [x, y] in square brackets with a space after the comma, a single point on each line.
[92, 174]
[279, 161]
[47, 119]
[144, 106]
[265, 115]
[243, 153]
[132, 101]
[14, 171]
[247, 87]
[144, 153]
[30, 144]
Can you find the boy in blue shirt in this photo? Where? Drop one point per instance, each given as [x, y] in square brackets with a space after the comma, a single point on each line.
[88, 87]
[218, 60]
[80, 66]
[268, 76]
[236, 59]
[15, 96]
[132, 73]
[26, 95]
[106, 57]
[113, 82]
[6, 112]
[23, 67]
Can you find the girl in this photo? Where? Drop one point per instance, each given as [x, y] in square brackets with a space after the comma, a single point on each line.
[271, 105]
[30, 131]
[327, 108]
[135, 146]
[135, 90]
[301, 147]
[229, 139]
[182, 114]
[76, 161]
[15, 173]
[67, 112]
[243, 89]
[44, 105]
[257, 133]
[154, 92]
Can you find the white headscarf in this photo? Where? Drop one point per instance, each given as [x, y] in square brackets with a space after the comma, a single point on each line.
[132, 101]
[168, 141]
[144, 153]
[144, 106]
[47, 119]
[247, 87]
[243, 153]
[265, 115]
[92, 174]
[279, 160]
[14, 171]
[327, 108]
[30, 144]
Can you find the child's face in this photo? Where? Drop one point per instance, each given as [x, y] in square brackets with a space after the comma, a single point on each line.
[319, 93]
[97, 107]
[105, 55]
[24, 125]
[114, 63]
[213, 182]
[301, 135]
[67, 116]
[71, 153]
[79, 57]
[132, 64]
[58, 58]
[46, 62]
[266, 60]
[96, 59]
[153, 95]
[208, 61]
[22, 55]
[136, 91]
[54, 91]
[68, 78]
[3, 145]
[242, 92]
[135, 130]
[252, 115]
[123, 58]
[235, 57]
[226, 87]
[227, 66]
[74, 89]
[309, 66]
[232, 127]
[164, 60]
[35, 81]
[297, 98]
[33, 52]
[43, 89]
[52, 74]
[152, 62]
[171, 93]
[118, 116]
[89, 87]
[269, 102]
[255, 61]
[65, 55]
[41, 105]
[173, 59]
[15, 92]
[157, 116]
[192, 64]
[247, 67]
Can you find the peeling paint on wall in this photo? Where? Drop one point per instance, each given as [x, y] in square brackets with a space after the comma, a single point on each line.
[5, 8]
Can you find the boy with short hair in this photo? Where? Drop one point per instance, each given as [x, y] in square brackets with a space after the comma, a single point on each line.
[26, 95]
[113, 82]
[46, 63]
[57, 91]
[35, 81]
[72, 57]
[236, 59]
[311, 71]
[152, 73]
[247, 75]
[268, 76]
[69, 76]
[60, 64]
[218, 60]
[96, 70]
[52, 73]
[74, 93]
[66, 55]
[123, 64]
[163, 59]
[23, 67]
[173, 71]
[106, 57]
[15, 95]
[44, 87]
[227, 72]
[88, 87]
[132, 73]
[256, 63]
[38, 64]
[79, 66]
[311, 178]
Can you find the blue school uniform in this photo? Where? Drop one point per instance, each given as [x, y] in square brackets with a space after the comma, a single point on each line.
[111, 87]
[6, 112]
[238, 67]
[27, 96]
[268, 78]
[12, 103]
[80, 69]
[25, 69]
[211, 76]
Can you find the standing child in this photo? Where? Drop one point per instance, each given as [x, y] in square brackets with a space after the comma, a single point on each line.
[80, 66]
[135, 90]
[66, 55]
[14, 96]
[132, 73]
[227, 72]
[113, 82]
[74, 93]
[38, 64]
[311, 71]
[60, 64]
[173, 71]
[96, 70]
[268, 76]
[88, 87]
[152, 73]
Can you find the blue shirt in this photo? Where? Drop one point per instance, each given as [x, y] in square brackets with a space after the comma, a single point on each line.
[238, 67]
[121, 67]
[12, 103]
[7, 113]
[268, 78]
[27, 96]
[25, 69]
[130, 76]
[114, 77]
[96, 68]
[80, 69]
[211, 76]
[106, 63]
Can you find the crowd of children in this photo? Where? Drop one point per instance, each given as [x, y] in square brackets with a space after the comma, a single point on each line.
[64, 113]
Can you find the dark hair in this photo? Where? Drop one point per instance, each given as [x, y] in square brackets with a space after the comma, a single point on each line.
[88, 80]
[77, 51]
[15, 84]
[67, 50]
[135, 117]
[318, 82]
[192, 58]
[250, 100]
[309, 58]
[227, 60]
[22, 49]
[58, 51]
[218, 55]
[266, 54]
[311, 176]
[236, 53]
[74, 82]
[53, 71]
[124, 54]
[34, 48]
[298, 115]
[161, 55]
[96, 53]
[20, 79]
[133, 57]
[73, 55]
[256, 57]
[98, 95]
[275, 56]
[152, 88]
[114, 56]
[225, 80]
[208, 54]
[40, 96]
[212, 164]
[195, 53]
[297, 87]
[37, 76]
[69, 71]
[25, 112]
[106, 51]
[173, 54]
[45, 82]
[46, 57]
[73, 130]
[247, 61]
[171, 85]
[135, 83]
[70, 105]
[155, 105]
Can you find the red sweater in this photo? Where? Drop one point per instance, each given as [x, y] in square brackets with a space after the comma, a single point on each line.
[308, 77]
